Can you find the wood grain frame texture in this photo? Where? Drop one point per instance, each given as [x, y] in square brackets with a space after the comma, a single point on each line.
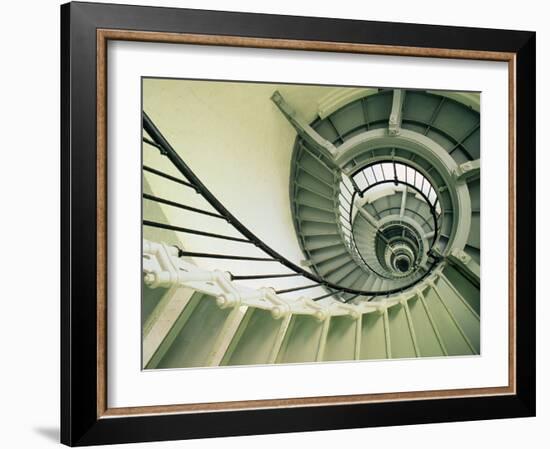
[77, 425]
[106, 35]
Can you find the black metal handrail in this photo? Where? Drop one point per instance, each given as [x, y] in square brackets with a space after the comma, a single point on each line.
[159, 141]
[157, 199]
[352, 244]
[431, 205]
[393, 180]
[432, 210]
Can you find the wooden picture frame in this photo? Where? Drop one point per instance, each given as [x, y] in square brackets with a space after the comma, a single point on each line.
[86, 29]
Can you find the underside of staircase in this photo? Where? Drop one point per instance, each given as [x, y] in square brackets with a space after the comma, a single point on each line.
[384, 195]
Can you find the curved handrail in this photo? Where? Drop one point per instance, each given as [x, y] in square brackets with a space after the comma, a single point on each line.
[167, 150]
[409, 185]
[350, 221]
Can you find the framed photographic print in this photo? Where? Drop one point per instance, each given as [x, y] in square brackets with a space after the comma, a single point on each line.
[276, 224]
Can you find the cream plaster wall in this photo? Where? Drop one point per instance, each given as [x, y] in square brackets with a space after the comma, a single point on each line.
[240, 145]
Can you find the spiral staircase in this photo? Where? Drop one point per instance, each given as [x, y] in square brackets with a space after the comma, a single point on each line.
[384, 193]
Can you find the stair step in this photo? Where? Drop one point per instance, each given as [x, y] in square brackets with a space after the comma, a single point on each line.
[304, 196]
[316, 242]
[324, 254]
[306, 213]
[360, 220]
[364, 237]
[370, 209]
[376, 284]
[328, 269]
[341, 272]
[311, 183]
[364, 245]
[352, 278]
[320, 234]
[315, 226]
[333, 263]
[315, 174]
[326, 197]
[316, 220]
[314, 165]
[369, 282]
[360, 280]
[299, 203]
[353, 281]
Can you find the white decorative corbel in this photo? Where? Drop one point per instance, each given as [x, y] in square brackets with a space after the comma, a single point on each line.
[280, 307]
[230, 296]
